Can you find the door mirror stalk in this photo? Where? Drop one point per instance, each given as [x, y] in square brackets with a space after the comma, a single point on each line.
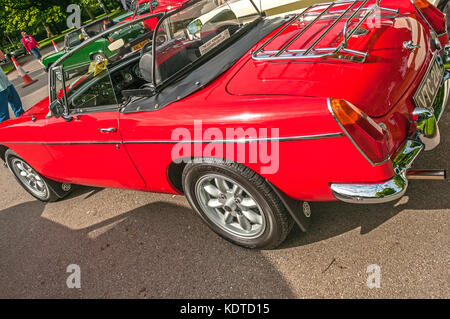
[58, 110]
[67, 118]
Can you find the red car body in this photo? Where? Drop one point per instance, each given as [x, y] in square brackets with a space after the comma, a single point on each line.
[290, 95]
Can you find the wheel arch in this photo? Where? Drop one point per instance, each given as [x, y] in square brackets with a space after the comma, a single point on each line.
[3, 150]
[175, 175]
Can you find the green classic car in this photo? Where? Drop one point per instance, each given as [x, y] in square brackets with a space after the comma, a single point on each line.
[129, 13]
[97, 50]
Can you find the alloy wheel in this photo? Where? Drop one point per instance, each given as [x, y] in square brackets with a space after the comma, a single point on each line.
[230, 206]
[29, 178]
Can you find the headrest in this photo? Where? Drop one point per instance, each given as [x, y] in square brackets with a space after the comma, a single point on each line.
[146, 66]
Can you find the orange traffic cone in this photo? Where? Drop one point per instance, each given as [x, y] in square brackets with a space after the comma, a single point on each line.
[16, 65]
[54, 45]
[27, 80]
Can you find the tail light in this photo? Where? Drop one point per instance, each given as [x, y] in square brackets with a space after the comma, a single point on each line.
[364, 132]
[435, 18]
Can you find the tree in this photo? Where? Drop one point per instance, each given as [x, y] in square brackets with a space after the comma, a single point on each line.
[31, 18]
[102, 4]
[40, 15]
[88, 5]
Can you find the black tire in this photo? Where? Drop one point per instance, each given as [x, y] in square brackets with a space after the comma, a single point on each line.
[49, 195]
[278, 222]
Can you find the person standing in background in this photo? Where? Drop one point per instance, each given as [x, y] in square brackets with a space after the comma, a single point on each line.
[32, 46]
[8, 95]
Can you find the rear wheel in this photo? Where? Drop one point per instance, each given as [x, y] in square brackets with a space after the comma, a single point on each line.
[34, 183]
[237, 203]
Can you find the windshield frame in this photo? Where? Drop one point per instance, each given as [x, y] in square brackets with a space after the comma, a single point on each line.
[53, 95]
[161, 15]
[183, 71]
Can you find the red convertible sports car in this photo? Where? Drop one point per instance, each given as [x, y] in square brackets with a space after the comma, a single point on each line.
[251, 118]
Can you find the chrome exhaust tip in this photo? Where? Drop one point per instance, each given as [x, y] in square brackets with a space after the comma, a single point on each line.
[427, 174]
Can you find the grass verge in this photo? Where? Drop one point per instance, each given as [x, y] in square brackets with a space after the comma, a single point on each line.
[7, 68]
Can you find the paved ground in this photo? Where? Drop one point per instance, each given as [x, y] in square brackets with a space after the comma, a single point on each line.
[36, 91]
[137, 245]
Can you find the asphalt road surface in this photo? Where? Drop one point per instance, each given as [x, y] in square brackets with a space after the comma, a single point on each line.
[132, 244]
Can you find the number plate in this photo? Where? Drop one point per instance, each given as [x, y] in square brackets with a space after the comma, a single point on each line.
[430, 85]
[140, 45]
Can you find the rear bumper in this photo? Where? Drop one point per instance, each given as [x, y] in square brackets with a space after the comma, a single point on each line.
[427, 137]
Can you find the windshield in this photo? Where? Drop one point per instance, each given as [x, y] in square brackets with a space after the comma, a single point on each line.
[197, 31]
[186, 36]
[73, 39]
[89, 63]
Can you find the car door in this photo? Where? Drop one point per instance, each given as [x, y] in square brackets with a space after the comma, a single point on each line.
[88, 144]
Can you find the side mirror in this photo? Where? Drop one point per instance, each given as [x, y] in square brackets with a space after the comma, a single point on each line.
[116, 45]
[57, 108]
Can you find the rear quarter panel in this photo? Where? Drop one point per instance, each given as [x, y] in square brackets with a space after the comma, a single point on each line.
[303, 168]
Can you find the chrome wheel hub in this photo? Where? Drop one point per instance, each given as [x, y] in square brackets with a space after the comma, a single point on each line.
[230, 206]
[29, 178]
[99, 58]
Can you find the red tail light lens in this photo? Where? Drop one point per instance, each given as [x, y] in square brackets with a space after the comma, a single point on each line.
[364, 132]
[435, 17]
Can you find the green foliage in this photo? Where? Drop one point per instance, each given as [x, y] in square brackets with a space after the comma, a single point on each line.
[38, 17]
[7, 68]
[32, 18]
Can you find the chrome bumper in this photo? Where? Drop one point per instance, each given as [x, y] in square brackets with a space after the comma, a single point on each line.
[426, 138]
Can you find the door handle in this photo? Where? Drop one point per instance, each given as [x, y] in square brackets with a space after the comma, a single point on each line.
[108, 130]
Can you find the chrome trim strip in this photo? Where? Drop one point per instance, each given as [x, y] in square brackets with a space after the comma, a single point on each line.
[351, 138]
[386, 191]
[242, 141]
[61, 143]
[258, 140]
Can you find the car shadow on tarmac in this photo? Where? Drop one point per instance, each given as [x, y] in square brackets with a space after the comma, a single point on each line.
[159, 250]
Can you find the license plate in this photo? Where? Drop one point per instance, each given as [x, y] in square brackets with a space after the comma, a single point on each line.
[140, 45]
[430, 85]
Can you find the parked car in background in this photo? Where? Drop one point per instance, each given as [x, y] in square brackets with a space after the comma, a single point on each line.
[129, 13]
[18, 53]
[251, 118]
[151, 7]
[97, 50]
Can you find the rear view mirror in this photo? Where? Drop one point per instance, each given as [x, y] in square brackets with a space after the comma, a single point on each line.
[116, 45]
